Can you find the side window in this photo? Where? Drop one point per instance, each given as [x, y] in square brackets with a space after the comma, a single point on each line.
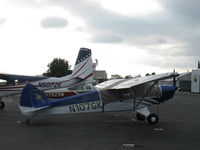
[88, 87]
[3, 82]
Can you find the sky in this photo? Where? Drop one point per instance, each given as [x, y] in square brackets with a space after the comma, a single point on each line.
[128, 37]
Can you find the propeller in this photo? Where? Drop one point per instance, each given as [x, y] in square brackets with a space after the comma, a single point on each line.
[174, 79]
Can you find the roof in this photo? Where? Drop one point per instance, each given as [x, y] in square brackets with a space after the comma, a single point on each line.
[184, 74]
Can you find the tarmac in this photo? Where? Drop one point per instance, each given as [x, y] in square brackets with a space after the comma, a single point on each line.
[179, 128]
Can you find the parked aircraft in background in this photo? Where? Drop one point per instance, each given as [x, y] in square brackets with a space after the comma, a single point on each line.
[113, 95]
[82, 72]
[13, 79]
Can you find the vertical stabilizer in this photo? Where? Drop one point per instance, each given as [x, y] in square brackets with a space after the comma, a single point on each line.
[32, 97]
[83, 67]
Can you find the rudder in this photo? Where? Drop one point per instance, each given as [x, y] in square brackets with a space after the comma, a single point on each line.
[32, 97]
[83, 67]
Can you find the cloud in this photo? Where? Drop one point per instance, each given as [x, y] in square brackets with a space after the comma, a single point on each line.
[100, 20]
[2, 21]
[174, 32]
[183, 10]
[106, 39]
[54, 22]
[161, 41]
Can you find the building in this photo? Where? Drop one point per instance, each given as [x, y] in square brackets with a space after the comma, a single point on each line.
[100, 76]
[195, 86]
[183, 81]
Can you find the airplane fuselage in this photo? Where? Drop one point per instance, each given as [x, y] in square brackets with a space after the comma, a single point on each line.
[50, 83]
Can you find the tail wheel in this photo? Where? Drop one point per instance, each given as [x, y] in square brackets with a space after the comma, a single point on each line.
[152, 118]
[2, 104]
[140, 117]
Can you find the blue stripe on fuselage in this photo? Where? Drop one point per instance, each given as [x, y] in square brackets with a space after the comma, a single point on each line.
[76, 99]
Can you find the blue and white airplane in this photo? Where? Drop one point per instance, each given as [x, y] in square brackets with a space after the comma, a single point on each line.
[82, 73]
[113, 95]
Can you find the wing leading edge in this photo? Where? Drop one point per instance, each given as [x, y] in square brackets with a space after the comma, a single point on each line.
[128, 83]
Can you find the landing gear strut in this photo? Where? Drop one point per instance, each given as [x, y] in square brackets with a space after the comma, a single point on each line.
[140, 117]
[28, 121]
[143, 113]
[2, 104]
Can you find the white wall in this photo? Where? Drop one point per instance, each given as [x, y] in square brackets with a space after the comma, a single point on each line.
[195, 84]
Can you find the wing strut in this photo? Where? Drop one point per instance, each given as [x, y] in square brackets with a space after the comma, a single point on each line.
[135, 103]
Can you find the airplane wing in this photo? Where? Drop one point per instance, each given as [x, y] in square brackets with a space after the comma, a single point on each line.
[128, 83]
[10, 78]
[4, 76]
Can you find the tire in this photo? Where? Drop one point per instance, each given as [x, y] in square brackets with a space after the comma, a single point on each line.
[2, 104]
[140, 117]
[27, 121]
[152, 119]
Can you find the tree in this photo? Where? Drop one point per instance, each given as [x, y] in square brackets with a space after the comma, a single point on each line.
[58, 68]
[116, 76]
[128, 77]
[147, 74]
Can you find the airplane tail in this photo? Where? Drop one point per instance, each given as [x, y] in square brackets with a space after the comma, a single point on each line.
[32, 97]
[83, 68]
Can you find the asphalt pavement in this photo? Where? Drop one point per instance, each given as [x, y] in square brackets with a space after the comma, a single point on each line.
[179, 128]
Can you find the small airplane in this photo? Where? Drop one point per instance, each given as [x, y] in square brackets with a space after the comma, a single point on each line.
[112, 95]
[82, 73]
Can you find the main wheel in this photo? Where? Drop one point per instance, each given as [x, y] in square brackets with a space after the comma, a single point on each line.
[2, 104]
[140, 117]
[27, 121]
[152, 118]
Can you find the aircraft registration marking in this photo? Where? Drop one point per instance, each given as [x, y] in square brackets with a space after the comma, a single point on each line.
[54, 94]
[49, 84]
[85, 107]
